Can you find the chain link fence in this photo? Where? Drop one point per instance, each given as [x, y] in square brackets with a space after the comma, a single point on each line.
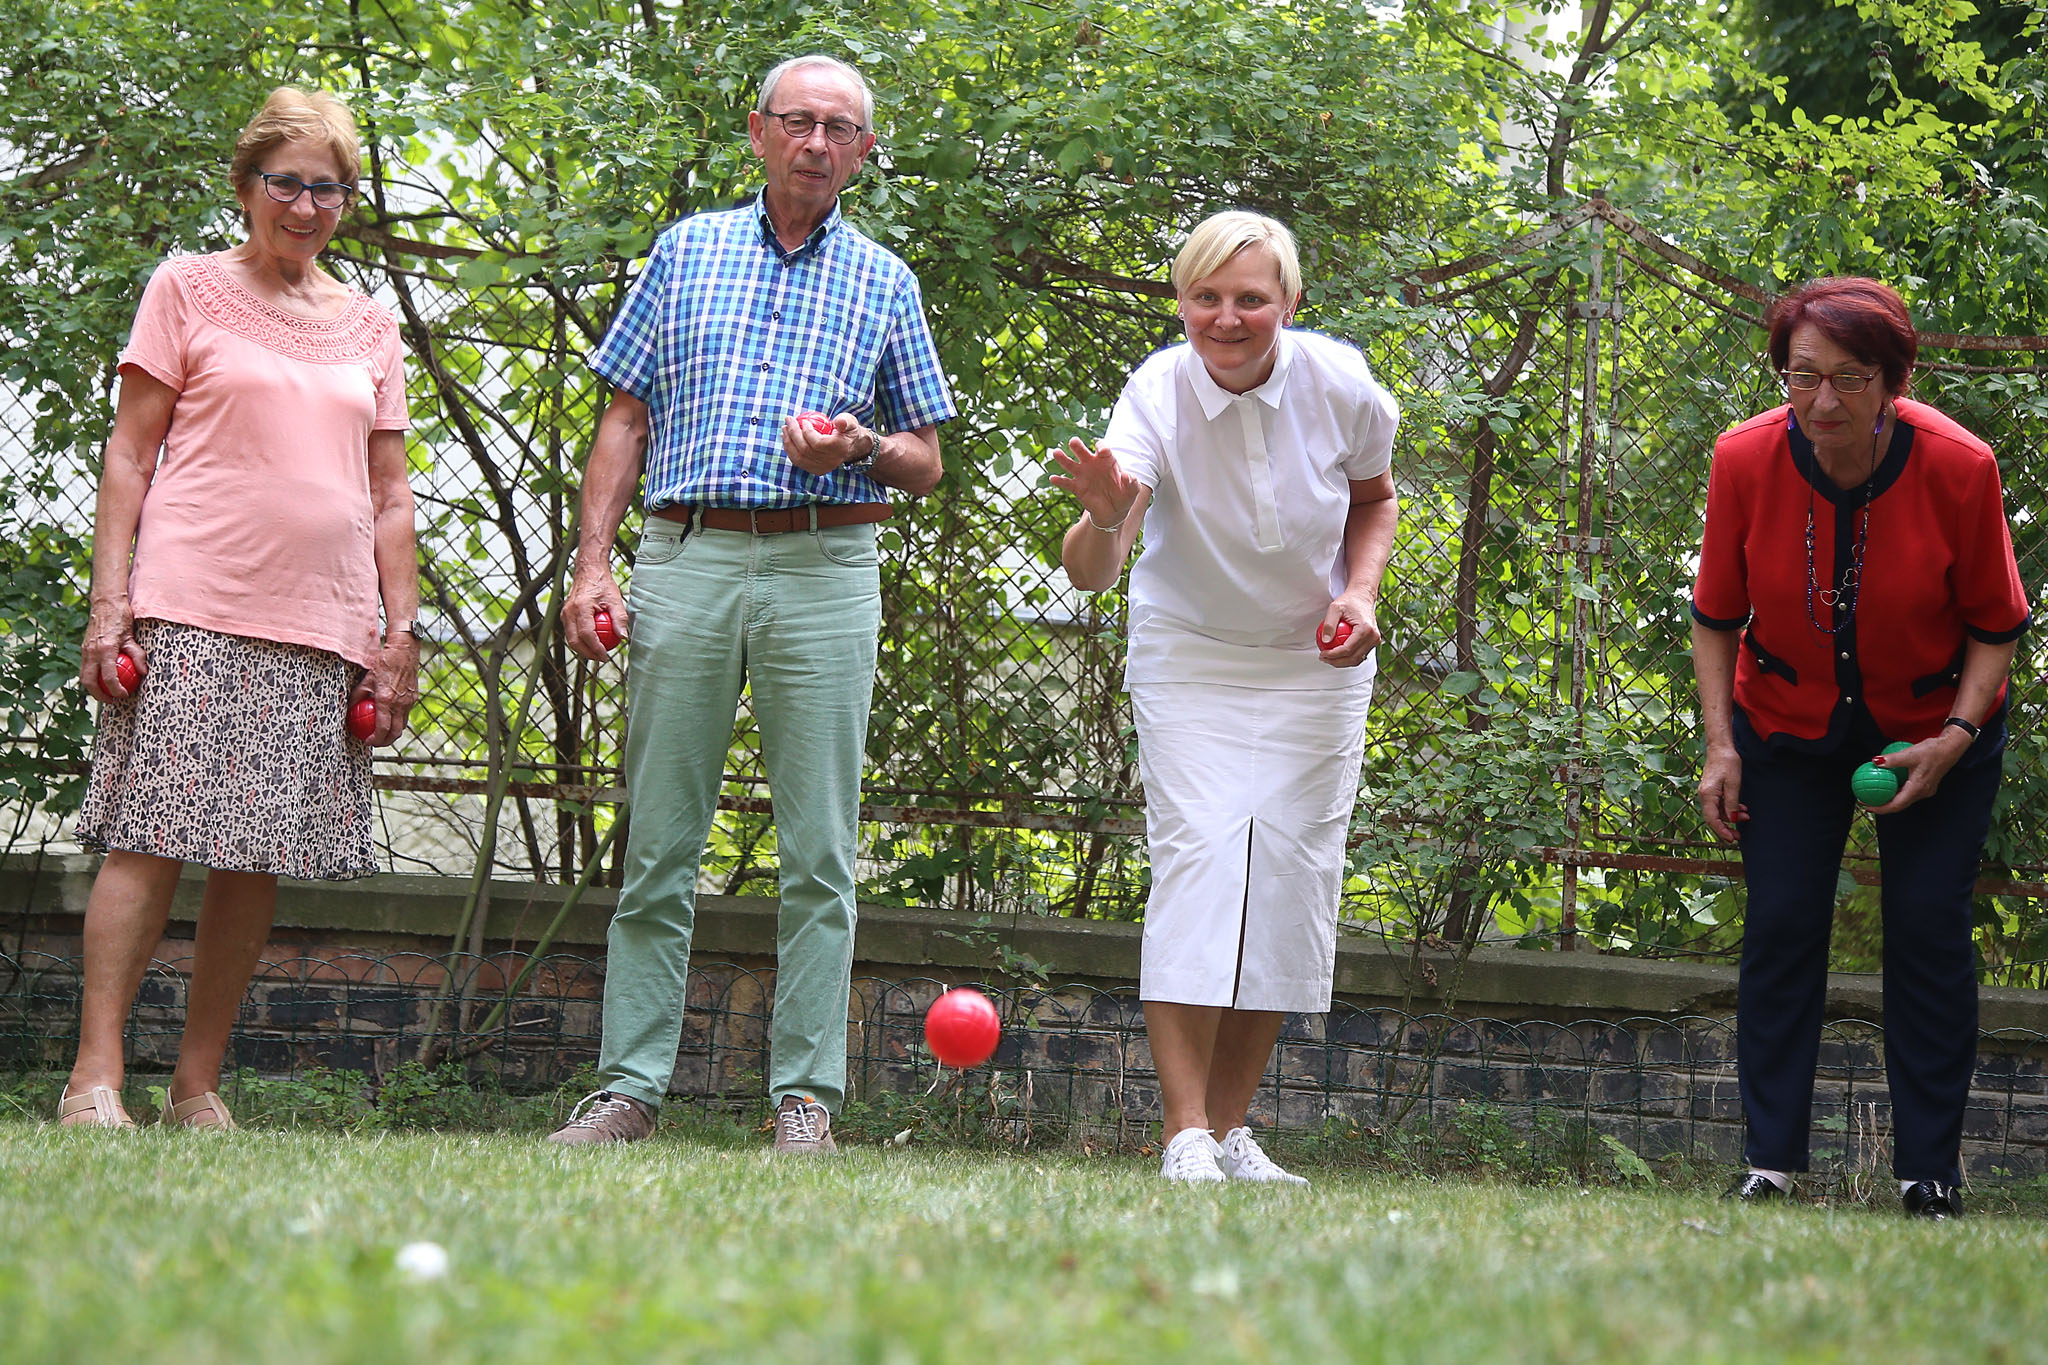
[1534, 738]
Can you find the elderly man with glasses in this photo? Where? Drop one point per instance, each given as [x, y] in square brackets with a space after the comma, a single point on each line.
[774, 379]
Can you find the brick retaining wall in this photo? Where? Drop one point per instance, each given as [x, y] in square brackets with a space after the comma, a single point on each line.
[1642, 1051]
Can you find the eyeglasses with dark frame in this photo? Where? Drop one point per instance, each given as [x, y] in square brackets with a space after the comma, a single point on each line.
[327, 194]
[1806, 381]
[840, 130]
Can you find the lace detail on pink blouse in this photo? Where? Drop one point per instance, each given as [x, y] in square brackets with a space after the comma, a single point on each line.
[350, 337]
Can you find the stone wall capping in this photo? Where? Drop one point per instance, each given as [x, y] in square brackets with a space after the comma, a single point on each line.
[397, 910]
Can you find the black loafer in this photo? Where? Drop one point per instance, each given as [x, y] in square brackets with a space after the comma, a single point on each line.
[1754, 1189]
[1932, 1199]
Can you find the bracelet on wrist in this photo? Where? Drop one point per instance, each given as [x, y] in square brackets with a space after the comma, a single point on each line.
[1106, 530]
[1965, 726]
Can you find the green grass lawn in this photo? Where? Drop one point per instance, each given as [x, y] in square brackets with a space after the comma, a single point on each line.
[279, 1245]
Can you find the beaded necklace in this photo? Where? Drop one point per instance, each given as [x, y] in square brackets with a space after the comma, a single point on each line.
[1841, 599]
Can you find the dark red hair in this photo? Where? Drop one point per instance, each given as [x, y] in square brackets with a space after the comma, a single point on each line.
[1864, 317]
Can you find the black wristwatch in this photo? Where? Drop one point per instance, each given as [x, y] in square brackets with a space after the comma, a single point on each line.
[1965, 726]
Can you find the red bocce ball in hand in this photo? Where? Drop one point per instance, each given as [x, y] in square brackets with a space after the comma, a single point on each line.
[818, 422]
[1331, 638]
[607, 631]
[129, 676]
[362, 718]
[961, 1027]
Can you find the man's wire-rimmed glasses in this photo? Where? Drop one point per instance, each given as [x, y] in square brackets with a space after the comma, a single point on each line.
[840, 130]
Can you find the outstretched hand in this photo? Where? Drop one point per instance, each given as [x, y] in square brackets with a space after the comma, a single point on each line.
[1095, 478]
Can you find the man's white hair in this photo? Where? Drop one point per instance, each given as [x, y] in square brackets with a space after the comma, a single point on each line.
[783, 68]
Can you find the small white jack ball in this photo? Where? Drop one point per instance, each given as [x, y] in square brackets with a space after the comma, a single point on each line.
[421, 1261]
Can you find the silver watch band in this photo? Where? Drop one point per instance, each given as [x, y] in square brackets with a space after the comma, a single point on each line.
[874, 449]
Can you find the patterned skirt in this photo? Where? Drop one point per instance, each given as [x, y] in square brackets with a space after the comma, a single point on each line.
[234, 754]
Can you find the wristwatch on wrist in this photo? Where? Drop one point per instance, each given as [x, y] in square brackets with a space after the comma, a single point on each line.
[1965, 726]
[874, 449]
[411, 628]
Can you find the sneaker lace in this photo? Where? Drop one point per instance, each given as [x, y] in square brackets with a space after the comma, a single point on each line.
[1184, 1158]
[602, 1106]
[800, 1122]
[1251, 1159]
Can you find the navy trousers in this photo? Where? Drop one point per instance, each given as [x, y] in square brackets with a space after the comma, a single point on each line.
[1800, 808]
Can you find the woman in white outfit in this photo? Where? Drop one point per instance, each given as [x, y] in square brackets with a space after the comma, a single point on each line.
[1256, 458]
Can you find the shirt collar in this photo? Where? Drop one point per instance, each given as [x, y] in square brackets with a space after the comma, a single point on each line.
[811, 243]
[1214, 398]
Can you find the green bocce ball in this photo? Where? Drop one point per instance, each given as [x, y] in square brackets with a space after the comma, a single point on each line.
[1873, 785]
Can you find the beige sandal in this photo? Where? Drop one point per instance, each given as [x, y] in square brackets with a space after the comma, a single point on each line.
[190, 1113]
[102, 1102]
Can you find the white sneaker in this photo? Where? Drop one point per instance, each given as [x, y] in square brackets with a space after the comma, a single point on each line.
[1191, 1157]
[1242, 1159]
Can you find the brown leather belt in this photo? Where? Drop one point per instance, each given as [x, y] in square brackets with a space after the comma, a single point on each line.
[774, 521]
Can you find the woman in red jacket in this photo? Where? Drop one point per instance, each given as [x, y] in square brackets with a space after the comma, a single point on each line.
[1856, 588]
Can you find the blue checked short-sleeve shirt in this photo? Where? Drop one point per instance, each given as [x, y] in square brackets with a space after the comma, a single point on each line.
[725, 334]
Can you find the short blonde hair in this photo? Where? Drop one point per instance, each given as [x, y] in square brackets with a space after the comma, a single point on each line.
[291, 113]
[1222, 235]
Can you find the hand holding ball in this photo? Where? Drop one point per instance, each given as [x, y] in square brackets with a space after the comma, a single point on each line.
[362, 718]
[125, 671]
[1874, 786]
[607, 631]
[961, 1028]
[1332, 637]
[818, 422]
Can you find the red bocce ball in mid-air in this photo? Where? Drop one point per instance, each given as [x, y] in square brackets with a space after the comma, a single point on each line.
[362, 718]
[961, 1028]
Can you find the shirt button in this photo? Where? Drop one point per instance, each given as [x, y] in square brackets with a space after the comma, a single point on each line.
[755, 420]
[766, 365]
[1843, 655]
[775, 316]
[1848, 701]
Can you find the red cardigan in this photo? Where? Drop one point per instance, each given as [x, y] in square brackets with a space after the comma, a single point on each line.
[1938, 563]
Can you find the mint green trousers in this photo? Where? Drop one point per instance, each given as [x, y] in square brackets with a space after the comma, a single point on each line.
[792, 618]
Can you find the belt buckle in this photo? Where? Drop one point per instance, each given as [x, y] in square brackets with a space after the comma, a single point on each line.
[754, 522]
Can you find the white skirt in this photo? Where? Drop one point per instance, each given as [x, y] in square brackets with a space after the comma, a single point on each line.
[1248, 797]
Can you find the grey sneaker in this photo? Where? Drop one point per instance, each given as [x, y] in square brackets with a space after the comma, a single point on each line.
[602, 1116]
[1242, 1159]
[1191, 1158]
[804, 1127]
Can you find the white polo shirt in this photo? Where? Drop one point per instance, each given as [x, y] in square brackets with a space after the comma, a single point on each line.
[1244, 537]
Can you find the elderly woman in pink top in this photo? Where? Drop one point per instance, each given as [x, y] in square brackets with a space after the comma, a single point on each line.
[253, 515]
[1258, 461]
